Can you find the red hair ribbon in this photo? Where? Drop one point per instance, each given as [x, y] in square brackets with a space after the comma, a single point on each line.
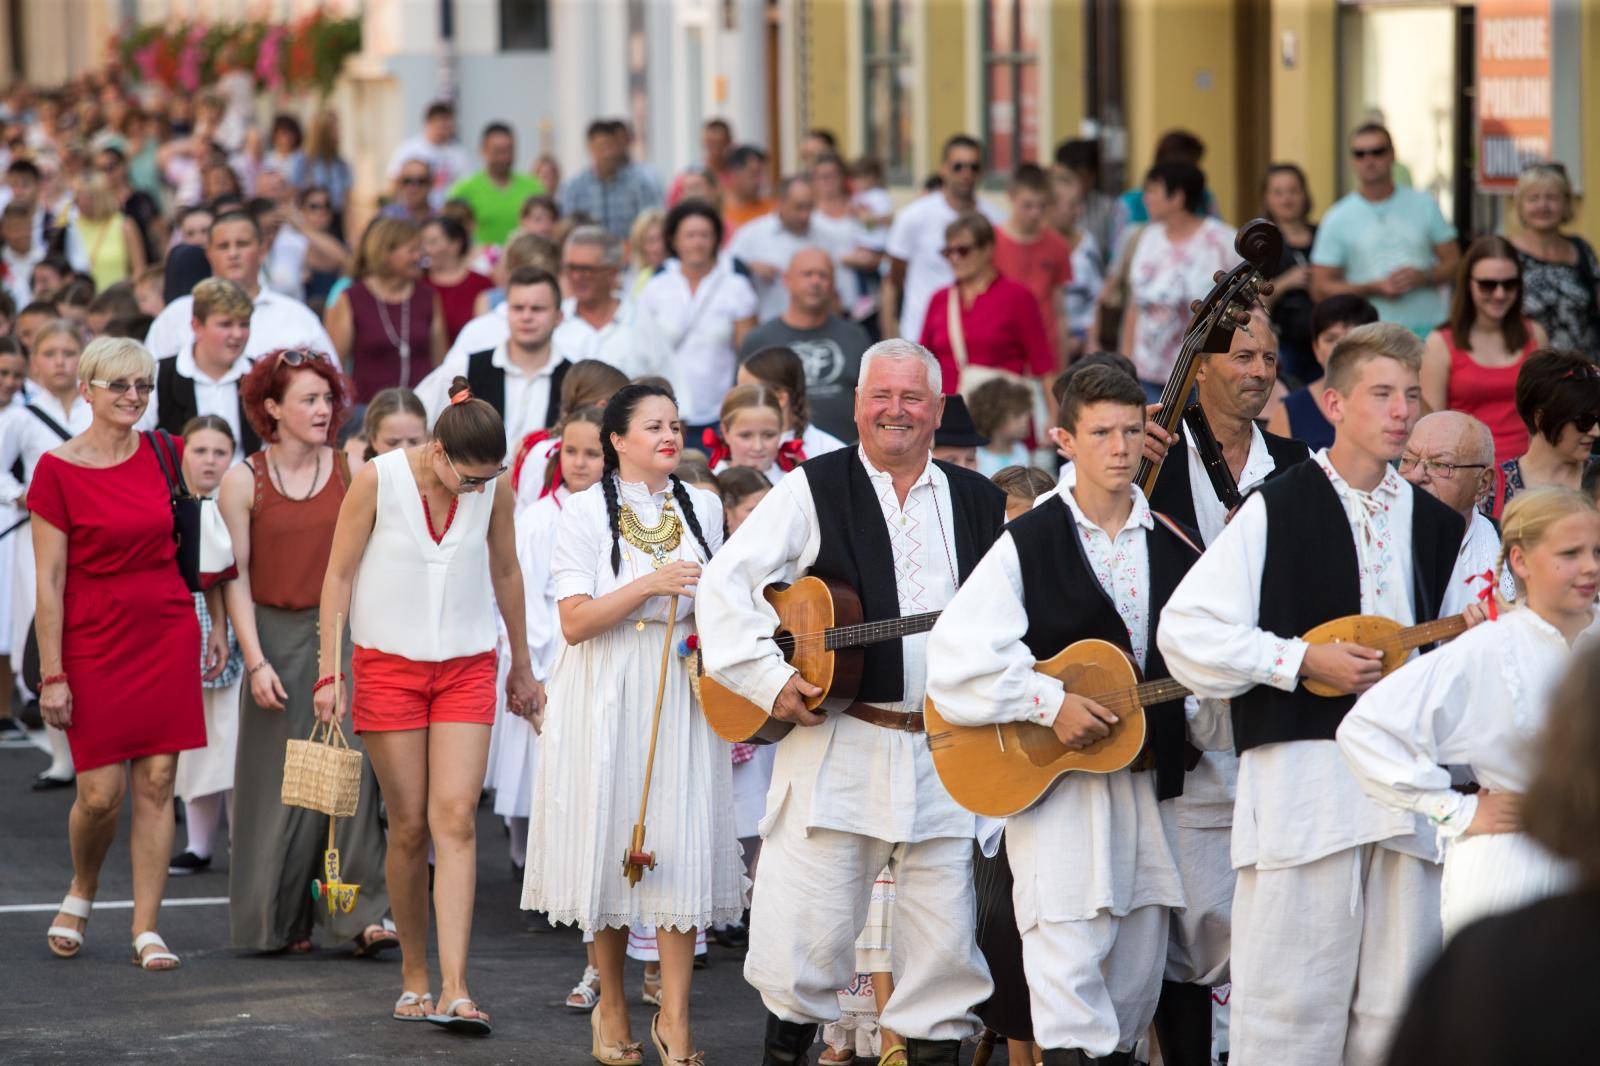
[461, 397]
[718, 448]
[522, 455]
[1486, 594]
[791, 453]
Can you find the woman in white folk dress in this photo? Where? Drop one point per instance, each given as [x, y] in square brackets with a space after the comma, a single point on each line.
[624, 548]
[1481, 701]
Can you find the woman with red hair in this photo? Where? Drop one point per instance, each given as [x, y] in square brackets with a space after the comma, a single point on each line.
[281, 507]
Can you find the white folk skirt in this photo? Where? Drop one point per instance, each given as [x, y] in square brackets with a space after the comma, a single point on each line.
[513, 754]
[586, 795]
[1494, 873]
[209, 770]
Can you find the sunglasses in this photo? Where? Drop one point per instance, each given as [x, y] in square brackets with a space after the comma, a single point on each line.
[473, 482]
[318, 205]
[1585, 423]
[962, 168]
[1496, 284]
[1368, 153]
[144, 388]
[296, 357]
[957, 251]
[415, 181]
[584, 269]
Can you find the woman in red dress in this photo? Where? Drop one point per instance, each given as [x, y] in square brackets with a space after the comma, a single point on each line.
[117, 633]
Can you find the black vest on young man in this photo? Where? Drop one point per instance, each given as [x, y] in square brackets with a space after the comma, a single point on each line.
[1311, 576]
[488, 383]
[175, 405]
[856, 551]
[1066, 603]
[1173, 494]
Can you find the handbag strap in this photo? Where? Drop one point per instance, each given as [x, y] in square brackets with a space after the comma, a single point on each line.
[167, 459]
[55, 427]
[958, 337]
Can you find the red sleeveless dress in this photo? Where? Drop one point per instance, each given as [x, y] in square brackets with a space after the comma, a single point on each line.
[1490, 395]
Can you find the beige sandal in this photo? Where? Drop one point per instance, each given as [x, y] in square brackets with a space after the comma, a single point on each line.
[625, 1054]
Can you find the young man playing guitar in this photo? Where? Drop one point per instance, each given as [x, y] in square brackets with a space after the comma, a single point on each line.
[1095, 878]
[854, 791]
[1337, 901]
[1233, 387]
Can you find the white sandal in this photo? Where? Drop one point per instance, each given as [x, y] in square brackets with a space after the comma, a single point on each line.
[72, 907]
[412, 999]
[586, 993]
[153, 939]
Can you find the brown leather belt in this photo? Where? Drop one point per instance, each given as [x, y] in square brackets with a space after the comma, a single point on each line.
[896, 720]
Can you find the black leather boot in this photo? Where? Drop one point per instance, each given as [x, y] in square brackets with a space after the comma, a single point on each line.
[787, 1043]
[1183, 1024]
[933, 1052]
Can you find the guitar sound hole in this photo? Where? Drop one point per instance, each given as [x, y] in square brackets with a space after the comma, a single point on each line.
[785, 643]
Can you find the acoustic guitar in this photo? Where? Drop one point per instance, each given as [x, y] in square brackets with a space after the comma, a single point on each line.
[1380, 634]
[1001, 770]
[821, 635]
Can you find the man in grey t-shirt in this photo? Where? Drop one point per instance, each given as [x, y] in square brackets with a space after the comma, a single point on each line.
[829, 346]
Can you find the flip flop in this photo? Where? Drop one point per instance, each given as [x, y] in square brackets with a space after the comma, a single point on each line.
[411, 999]
[457, 1023]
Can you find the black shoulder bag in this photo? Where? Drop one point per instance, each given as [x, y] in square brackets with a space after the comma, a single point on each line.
[185, 509]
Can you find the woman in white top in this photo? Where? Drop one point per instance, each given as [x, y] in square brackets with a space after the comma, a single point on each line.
[781, 370]
[705, 306]
[421, 556]
[1480, 701]
[623, 547]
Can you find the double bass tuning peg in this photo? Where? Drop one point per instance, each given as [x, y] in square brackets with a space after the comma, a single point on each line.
[1219, 275]
[1194, 306]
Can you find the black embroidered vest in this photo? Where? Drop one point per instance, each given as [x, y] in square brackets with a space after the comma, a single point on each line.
[176, 404]
[1173, 495]
[488, 383]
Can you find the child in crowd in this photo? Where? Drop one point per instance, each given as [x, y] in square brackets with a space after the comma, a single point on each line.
[873, 206]
[752, 422]
[539, 217]
[32, 318]
[957, 440]
[741, 488]
[147, 289]
[204, 778]
[1022, 485]
[18, 252]
[694, 470]
[1030, 252]
[782, 371]
[1002, 410]
[395, 418]
[13, 372]
[589, 383]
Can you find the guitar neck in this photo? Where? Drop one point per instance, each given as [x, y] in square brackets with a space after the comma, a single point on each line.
[1416, 636]
[865, 633]
[1145, 694]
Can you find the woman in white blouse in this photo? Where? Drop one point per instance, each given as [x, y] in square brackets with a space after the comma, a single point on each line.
[705, 306]
[626, 548]
[1480, 701]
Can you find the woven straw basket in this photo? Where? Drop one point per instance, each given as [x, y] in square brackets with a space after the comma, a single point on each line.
[322, 775]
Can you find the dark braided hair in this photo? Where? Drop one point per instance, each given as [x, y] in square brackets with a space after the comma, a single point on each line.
[618, 413]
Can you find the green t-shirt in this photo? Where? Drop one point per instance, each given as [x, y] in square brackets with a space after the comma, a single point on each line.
[496, 207]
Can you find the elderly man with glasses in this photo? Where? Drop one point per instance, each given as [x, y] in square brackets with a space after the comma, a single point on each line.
[1450, 456]
[1389, 244]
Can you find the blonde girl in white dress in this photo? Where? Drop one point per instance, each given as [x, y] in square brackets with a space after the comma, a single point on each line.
[1480, 701]
[624, 548]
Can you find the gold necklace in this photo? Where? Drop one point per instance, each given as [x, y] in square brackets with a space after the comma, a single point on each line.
[656, 541]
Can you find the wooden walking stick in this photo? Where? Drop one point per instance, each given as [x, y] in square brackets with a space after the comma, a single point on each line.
[637, 860]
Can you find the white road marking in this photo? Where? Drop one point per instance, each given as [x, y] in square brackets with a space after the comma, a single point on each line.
[112, 905]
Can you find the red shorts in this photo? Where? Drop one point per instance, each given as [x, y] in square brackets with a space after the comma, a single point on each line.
[394, 693]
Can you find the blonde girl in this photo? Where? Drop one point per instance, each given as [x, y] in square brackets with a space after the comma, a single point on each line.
[1481, 701]
[752, 423]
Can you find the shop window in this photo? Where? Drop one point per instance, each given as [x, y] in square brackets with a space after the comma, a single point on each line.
[887, 84]
[524, 25]
[1011, 34]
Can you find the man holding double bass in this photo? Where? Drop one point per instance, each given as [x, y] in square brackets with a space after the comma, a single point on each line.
[855, 791]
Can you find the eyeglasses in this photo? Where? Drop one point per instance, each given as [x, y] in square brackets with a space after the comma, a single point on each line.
[1497, 284]
[1559, 169]
[584, 269]
[296, 357]
[1435, 468]
[120, 388]
[318, 205]
[957, 251]
[473, 482]
[1368, 153]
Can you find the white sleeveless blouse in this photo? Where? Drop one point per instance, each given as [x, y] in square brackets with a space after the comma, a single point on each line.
[423, 601]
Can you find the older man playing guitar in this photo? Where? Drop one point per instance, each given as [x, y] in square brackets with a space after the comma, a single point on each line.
[856, 790]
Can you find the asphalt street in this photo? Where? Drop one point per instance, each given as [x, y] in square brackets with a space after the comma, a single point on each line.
[224, 1006]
